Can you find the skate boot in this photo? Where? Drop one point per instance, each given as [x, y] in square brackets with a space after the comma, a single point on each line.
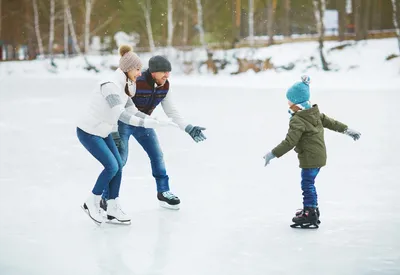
[92, 207]
[103, 204]
[115, 213]
[308, 218]
[168, 200]
[299, 212]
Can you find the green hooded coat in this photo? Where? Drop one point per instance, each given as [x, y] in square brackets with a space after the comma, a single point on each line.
[306, 134]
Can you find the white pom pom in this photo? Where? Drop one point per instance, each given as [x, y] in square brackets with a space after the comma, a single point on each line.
[306, 79]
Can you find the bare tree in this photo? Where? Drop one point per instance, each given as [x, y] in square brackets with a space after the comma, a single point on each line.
[185, 23]
[146, 7]
[286, 20]
[88, 12]
[71, 27]
[170, 24]
[366, 14]
[358, 19]
[251, 22]
[395, 22]
[0, 16]
[319, 11]
[37, 27]
[66, 34]
[342, 18]
[271, 4]
[200, 22]
[51, 31]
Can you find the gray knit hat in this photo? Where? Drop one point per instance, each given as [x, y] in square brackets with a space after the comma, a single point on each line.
[129, 60]
[159, 63]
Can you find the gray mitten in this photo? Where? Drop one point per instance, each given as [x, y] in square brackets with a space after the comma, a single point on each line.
[268, 158]
[195, 132]
[117, 139]
[352, 133]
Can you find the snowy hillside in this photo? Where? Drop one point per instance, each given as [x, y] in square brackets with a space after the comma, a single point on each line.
[362, 64]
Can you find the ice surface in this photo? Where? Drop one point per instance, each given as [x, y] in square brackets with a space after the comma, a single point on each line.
[235, 213]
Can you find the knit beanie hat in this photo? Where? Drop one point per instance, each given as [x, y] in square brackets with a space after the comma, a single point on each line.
[159, 63]
[129, 60]
[299, 93]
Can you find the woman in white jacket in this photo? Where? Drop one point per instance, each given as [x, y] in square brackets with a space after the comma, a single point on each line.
[111, 101]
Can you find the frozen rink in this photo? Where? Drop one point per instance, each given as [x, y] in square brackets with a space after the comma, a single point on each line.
[235, 214]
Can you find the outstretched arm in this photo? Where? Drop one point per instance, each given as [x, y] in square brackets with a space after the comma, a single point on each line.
[296, 129]
[332, 124]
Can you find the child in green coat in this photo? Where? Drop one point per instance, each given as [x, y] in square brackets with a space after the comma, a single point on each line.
[306, 136]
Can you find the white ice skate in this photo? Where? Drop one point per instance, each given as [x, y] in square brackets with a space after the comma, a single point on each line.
[115, 213]
[92, 207]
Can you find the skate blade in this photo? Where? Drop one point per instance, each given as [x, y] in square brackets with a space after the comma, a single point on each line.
[86, 210]
[304, 226]
[112, 220]
[169, 206]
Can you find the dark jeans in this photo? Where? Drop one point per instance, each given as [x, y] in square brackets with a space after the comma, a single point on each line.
[106, 152]
[308, 175]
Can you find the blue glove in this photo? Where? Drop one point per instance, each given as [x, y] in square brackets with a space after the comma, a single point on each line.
[352, 133]
[195, 132]
[117, 139]
[268, 158]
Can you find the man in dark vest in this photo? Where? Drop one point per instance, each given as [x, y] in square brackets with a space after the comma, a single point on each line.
[152, 88]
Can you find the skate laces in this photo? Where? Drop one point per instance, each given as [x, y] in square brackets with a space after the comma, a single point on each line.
[169, 195]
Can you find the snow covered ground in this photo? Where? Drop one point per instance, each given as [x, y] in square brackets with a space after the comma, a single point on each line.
[235, 213]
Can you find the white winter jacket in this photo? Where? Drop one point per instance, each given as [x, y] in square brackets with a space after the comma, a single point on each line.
[109, 103]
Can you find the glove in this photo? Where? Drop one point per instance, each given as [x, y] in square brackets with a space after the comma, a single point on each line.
[195, 132]
[268, 158]
[117, 139]
[352, 133]
[149, 122]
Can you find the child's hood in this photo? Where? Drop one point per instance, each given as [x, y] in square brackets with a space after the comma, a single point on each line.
[311, 115]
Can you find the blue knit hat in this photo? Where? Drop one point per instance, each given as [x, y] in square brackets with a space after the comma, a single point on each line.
[299, 93]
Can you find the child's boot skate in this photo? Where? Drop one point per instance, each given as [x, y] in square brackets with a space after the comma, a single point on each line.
[299, 212]
[307, 218]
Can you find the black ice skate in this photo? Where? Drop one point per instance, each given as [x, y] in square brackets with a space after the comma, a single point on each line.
[308, 218]
[299, 212]
[168, 200]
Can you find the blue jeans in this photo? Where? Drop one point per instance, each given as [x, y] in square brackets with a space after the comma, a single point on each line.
[106, 152]
[310, 198]
[147, 138]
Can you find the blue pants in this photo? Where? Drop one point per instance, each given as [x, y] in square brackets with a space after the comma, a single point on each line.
[106, 152]
[310, 198]
[147, 138]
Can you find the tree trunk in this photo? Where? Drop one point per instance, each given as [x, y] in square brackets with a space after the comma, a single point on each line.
[366, 20]
[376, 14]
[251, 22]
[146, 10]
[358, 19]
[341, 5]
[319, 11]
[88, 12]
[66, 46]
[200, 22]
[170, 24]
[51, 31]
[396, 22]
[37, 27]
[270, 21]
[185, 23]
[286, 20]
[0, 16]
[71, 27]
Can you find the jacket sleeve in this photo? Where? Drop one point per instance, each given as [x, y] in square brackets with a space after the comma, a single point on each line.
[296, 130]
[110, 93]
[131, 107]
[172, 112]
[332, 124]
